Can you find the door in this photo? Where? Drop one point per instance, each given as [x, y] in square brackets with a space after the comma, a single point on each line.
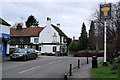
[4, 48]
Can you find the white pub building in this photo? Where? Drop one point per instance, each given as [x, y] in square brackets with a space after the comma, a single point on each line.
[52, 39]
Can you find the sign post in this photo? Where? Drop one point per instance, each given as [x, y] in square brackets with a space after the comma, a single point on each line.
[105, 13]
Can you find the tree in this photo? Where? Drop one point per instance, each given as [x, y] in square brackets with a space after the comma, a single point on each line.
[73, 47]
[83, 41]
[92, 39]
[113, 29]
[31, 21]
[68, 41]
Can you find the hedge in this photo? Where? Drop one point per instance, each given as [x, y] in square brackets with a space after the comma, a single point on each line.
[88, 54]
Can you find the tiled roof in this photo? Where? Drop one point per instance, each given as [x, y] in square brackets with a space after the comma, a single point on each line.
[58, 30]
[76, 41]
[3, 22]
[25, 32]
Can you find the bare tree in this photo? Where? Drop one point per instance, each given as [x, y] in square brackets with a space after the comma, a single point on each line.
[113, 28]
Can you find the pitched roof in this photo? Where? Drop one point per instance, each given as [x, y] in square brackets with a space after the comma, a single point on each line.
[76, 41]
[25, 32]
[58, 30]
[3, 22]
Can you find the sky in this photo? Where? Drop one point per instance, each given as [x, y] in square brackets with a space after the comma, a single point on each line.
[69, 13]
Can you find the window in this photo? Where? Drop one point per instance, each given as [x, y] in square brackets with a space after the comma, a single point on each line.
[21, 40]
[63, 50]
[39, 48]
[54, 49]
[35, 40]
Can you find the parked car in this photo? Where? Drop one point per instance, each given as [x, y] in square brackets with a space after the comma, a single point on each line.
[38, 52]
[24, 54]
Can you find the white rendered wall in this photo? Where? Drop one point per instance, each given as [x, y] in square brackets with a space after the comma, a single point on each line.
[49, 48]
[0, 31]
[5, 29]
[8, 45]
[32, 40]
[46, 35]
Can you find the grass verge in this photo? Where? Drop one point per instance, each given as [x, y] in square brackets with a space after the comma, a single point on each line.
[105, 73]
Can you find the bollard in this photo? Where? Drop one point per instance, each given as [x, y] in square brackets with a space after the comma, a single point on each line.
[87, 60]
[65, 76]
[94, 61]
[78, 63]
[70, 70]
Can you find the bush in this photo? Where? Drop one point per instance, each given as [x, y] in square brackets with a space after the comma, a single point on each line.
[73, 47]
[89, 54]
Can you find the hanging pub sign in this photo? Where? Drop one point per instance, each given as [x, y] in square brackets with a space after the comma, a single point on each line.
[105, 11]
[54, 40]
[64, 40]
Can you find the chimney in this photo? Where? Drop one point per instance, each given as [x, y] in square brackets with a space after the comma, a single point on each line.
[58, 25]
[48, 21]
[73, 37]
[19, 26]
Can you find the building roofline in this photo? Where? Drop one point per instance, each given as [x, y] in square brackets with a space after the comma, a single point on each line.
[3, 22]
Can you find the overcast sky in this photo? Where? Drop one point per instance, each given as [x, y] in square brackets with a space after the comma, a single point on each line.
[70, 14]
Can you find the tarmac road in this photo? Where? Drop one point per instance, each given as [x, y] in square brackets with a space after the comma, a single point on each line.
[42, 67]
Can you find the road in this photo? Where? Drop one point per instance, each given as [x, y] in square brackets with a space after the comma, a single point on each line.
[42, 67]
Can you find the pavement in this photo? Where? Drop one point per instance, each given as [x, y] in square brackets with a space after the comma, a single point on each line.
[84, 72]
[6, 58]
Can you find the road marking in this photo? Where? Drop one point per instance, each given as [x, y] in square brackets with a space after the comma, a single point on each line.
[55, 62]
[28, 69]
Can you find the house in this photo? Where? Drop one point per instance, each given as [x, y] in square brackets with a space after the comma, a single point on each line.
[25, 37]
[74, 40]
[4, 36]
[52, 39]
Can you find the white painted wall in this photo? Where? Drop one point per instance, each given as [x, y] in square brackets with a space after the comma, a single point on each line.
[8, 45]
[46, 35]
[5, 29]
[49, 48]
[0, 31]
[32, 40]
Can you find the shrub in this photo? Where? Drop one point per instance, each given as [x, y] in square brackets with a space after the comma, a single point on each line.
[89, 54]
[73, 47]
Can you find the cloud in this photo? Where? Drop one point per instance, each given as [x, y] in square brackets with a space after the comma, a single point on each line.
[70, 15]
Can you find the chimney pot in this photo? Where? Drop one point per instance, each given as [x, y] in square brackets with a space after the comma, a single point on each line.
[58, 25]
[48, 19]
[73, 37]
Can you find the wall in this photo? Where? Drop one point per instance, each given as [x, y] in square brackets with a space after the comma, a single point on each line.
[5, 29]
[46, 35]
[32, 40]
[49, 48]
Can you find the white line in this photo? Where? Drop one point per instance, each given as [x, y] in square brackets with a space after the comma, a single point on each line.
[55, 62]
[28, 69]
